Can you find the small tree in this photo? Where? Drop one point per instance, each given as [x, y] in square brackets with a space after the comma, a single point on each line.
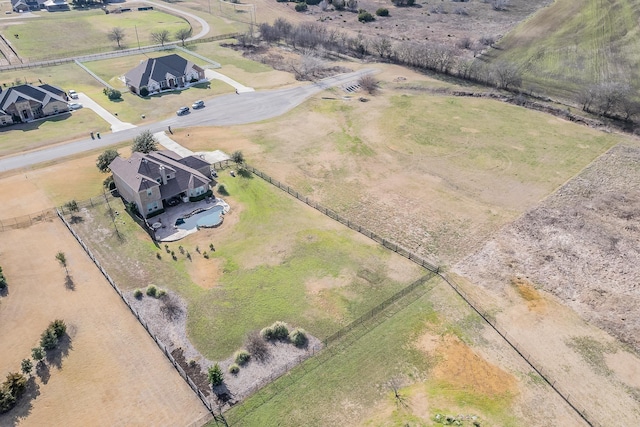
[38, 354]
[382, 12]
[26, 366]
[216, 377]
[144, 143]
[72, 206]
[3, 280]
[59, 327]
[49, 339]
[161, 36]
[112, 94]
[62, 259]
[301, 7]
[183, 34]
[105, 159]
[116, 34]
[237, 157]
[368, 83]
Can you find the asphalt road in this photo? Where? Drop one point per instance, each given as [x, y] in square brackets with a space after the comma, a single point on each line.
[225, 110]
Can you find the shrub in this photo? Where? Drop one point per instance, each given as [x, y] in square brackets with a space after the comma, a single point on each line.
[298, 337]
[222, 190]
[112, 94]
[338, 4]
[193, 363]
[3, 280]
[137, 294]
[215, 375]
[382, 12]
[403, 3]
[234, 369]
[365, 17]
[162, 293]
[37, 353]
[256, 346]
[158, 255]
[242, 357]
[144, 91]
[301, 7]
[267, 333]
[152, 291]
[11, 390]
[72, 205]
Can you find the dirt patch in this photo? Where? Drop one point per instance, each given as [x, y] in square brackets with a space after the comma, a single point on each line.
[462, 367]
[205, 272]
[625, 365]
[316, 285]
[529, 293]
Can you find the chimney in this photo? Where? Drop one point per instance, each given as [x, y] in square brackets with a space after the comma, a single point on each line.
[163, 175]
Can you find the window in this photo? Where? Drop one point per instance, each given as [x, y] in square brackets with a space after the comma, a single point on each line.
[149, 191]
[158, 181]
[152, 206]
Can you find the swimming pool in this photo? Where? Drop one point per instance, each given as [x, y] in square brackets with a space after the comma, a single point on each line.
[210, 218]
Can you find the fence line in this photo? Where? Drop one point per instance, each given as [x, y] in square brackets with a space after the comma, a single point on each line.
[25, 221]
[474, 305]
[159, 343]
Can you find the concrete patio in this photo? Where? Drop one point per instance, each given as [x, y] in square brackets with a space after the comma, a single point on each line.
[168, 232]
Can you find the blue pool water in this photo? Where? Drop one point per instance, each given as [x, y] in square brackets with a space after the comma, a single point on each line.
[208, 218]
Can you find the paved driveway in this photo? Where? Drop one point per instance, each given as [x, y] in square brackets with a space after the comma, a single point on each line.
[116, 124]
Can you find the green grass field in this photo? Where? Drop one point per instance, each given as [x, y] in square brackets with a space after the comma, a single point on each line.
[281, 261]
[85, 32]
[573, 43]
[348, 384]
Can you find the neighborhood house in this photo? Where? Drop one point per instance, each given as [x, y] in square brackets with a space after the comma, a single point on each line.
[24, 103]
[35, 5]
[151, 181]
[164, 73]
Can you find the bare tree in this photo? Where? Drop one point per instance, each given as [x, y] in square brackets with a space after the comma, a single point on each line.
[395, 384]
[183, 34]
[369, 84]
[629, 107]
[382, 46]
[610, 94]
[500, 5]
[588, 96]
[507, 75]
[116, 34]
[257, 346]
[161, 36]
[283, 27]
[308, 67]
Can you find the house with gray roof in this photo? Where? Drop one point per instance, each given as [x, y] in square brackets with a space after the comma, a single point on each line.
[151, 181]
[163, 73]
[28, 102]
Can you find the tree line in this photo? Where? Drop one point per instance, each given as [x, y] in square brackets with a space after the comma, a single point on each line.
[610, 99]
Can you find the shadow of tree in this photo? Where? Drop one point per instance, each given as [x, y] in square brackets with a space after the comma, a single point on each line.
[69, 284]
[4, 291]
[42, 371]
[55, 356]
[75, 219]
[23, 407]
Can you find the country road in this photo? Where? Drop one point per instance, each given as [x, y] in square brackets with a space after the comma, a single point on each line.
[224, 110]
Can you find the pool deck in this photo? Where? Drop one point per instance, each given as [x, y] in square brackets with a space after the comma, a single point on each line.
[169, 232]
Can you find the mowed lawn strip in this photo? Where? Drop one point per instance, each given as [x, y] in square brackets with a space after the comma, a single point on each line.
[321, 276]
[593, 39]
[86, 32]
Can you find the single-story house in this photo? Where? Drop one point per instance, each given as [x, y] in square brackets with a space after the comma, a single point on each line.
[29, 102]
[163, 73]
[151, 180]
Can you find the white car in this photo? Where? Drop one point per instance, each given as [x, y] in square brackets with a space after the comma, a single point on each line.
[73, 94]
[197, 104]
[75, 106]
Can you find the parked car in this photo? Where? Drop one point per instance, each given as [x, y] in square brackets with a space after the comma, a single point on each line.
[73, 94]
[197, 104]
[75, 106]
[182, 111]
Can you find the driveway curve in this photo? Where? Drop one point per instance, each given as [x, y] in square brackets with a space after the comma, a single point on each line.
[205, 26]
[225, 110]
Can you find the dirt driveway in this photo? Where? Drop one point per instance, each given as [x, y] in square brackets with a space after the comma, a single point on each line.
[111, 373]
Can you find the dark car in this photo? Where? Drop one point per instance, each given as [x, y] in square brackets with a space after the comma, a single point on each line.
[182, 111]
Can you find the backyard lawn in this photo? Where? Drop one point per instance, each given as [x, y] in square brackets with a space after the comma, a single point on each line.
[275, 259]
